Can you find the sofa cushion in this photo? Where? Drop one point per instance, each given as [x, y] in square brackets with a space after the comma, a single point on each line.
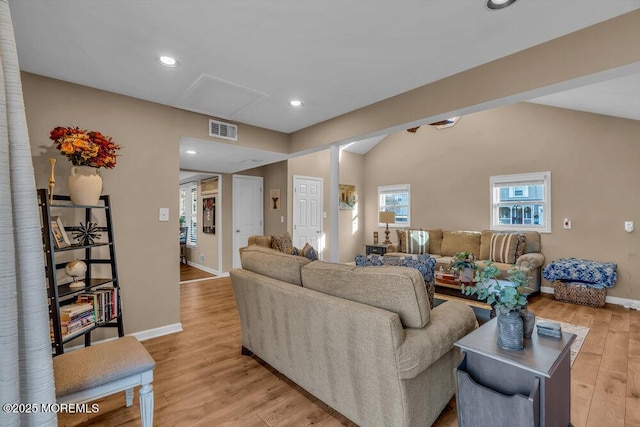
[460, 241]
[397, 289]
[503, 247]
[485, 244]
[521, 246]
[416, 242]
[532, 239]
[435, 241]
[274, 264]
[264, 241]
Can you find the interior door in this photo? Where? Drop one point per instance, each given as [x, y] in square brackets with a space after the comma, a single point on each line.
[247, 212]
[307, 212]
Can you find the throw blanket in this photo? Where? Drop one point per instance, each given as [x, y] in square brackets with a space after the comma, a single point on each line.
[582, 270]
[425, 264]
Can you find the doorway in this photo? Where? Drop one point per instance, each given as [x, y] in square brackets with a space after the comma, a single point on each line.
[247, 212]
[308, 212]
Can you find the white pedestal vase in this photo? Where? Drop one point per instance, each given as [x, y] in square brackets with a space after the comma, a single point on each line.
[85, 185]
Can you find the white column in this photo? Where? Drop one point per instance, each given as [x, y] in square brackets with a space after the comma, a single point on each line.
[334, 220]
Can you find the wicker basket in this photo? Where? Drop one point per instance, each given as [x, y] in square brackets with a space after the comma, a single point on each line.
[584, 295]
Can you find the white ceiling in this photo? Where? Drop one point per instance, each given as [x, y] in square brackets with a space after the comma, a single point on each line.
[244, 60]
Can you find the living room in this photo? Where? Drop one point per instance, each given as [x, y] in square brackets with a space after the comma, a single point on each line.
[592, 157]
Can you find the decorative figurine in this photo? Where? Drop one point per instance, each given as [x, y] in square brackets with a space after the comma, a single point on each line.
[76, 269]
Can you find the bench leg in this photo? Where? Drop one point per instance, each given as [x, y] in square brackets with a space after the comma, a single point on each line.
[146, 405]
[128, 396]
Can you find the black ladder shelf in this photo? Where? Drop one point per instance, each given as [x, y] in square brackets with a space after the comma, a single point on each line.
[60, 295]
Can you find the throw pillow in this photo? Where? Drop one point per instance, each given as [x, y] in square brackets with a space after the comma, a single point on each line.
[522, 245]
[401, 240]
[503, 248]
[416, 242]
[425, 264]
[309, 252]
[281, 242]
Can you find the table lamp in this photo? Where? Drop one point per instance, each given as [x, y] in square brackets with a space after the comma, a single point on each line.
[388, 218]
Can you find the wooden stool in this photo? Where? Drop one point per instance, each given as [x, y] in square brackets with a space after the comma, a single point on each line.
[93, 372]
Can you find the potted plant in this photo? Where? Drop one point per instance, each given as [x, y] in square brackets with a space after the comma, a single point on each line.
[464, 263]
[509, 301]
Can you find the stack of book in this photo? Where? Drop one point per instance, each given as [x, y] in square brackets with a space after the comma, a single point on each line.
[76, 318]
[103, 301]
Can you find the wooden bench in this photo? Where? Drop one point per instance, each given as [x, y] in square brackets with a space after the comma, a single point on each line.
[93, 372]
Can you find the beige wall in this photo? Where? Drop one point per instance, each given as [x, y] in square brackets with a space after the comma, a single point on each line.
[275, 177]
[145, 179]
[593, 161]
[351, 222]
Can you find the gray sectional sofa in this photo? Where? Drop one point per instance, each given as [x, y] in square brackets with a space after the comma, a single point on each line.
[361, 339]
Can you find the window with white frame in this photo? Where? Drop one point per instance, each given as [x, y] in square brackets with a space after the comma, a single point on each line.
[396, 198]
[521, 201]
[189, 211]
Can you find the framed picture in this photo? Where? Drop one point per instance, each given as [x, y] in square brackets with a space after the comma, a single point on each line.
[209, 215]
[347, 196]
[275, 199]
[60, 238]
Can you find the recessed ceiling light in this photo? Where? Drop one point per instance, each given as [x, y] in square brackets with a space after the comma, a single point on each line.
[296, 103]
[191, 152]
[168, 61]
[499, 4]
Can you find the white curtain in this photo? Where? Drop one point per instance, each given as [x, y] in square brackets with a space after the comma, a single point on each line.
[26, 372]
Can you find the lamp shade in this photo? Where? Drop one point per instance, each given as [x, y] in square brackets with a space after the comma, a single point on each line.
[387, 217]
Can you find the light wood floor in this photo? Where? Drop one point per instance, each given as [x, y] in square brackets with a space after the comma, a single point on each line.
[202, 380]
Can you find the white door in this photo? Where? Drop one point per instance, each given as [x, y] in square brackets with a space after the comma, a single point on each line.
[307, 212]
[247, 212]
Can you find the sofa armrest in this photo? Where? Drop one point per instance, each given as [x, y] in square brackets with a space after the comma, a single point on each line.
[449, 322]
[532, 260]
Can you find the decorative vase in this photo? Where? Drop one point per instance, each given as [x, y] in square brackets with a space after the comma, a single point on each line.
[85, 185]
[466, 275]
[528, 322]
[510, 331]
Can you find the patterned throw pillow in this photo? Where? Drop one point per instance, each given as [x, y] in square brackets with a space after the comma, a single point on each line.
[503, 248]
[282, 242]
[309, 252]
[416, 242]
[522, 245]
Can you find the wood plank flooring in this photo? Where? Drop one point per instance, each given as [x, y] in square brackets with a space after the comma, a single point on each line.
[202, 380]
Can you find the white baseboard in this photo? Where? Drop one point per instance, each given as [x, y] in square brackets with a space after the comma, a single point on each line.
[158, 332]
[207, 269]
[141, 336]
[625, 302]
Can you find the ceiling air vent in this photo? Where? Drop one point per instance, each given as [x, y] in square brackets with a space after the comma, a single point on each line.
[223, 130]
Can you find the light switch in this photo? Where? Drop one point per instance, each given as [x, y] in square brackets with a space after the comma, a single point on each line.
[164, 214]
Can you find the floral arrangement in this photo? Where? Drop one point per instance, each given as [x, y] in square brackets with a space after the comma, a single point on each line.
[84, 148]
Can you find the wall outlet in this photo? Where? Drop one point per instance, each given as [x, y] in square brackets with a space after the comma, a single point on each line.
[628, 226]
[201, 258]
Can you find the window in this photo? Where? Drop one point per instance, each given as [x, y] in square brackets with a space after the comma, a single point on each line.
[396, 198]
[189, 211]
[521, 202]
